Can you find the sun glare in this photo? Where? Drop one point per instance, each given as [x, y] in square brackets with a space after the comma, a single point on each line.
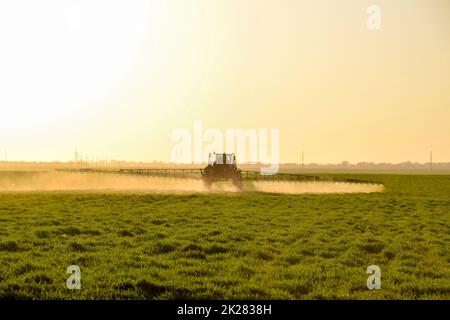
[54, 62]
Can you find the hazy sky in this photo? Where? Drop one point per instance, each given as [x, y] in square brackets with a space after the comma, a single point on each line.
[116, 78]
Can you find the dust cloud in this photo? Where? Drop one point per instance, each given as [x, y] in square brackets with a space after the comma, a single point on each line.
[315, 187]
[72, 181]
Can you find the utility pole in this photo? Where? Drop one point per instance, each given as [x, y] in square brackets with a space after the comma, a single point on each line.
[303, 159]
[431, 160]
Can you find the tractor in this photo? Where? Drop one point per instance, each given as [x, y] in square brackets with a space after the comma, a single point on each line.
[222, 167]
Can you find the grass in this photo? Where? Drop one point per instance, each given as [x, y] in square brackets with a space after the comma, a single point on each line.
[223, 246]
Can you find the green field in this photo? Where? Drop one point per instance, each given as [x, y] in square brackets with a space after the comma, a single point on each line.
[223, 246]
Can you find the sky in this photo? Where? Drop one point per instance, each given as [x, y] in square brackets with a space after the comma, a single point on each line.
[115, 79]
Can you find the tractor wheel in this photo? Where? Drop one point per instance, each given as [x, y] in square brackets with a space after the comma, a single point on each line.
[207, 182]
[237, 182]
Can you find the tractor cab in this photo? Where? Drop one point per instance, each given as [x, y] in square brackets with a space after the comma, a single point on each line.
[221, 167]
[222, 159]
